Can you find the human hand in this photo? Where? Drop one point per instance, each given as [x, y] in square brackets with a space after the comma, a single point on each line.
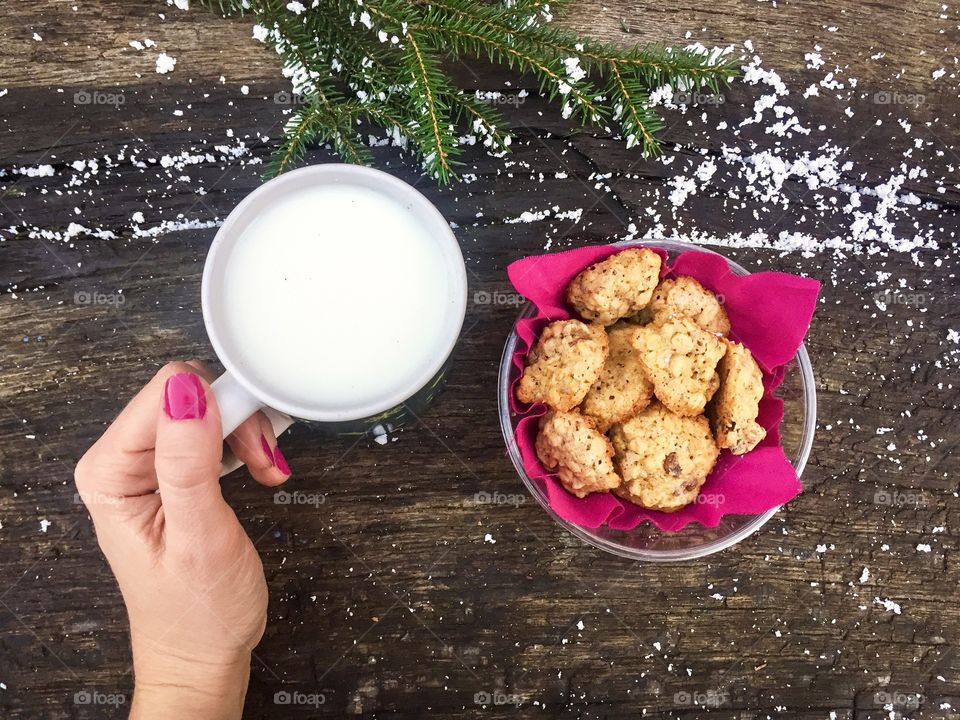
[190, 577]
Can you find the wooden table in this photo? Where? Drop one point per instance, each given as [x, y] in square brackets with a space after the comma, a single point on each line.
[387, 599]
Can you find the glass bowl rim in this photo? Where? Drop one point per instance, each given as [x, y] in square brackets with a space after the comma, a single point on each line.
[504, 384]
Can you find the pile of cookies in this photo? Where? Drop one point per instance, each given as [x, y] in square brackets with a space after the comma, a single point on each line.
[645, 390]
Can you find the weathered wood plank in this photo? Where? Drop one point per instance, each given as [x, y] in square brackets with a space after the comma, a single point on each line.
[386, 598]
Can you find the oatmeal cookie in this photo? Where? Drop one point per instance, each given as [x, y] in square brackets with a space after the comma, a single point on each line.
[733, 412]
[681, 360]
[663, 458]
[562, 365]
[623, 388]
[615, 288]
[570, 445]
[685, 297]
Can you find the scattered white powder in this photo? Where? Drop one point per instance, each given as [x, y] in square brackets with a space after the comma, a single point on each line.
[529, 216]
[706, 171]
[38, 171]
[169, 226]
[574, 71]
[923, 547]
[682, 187]
[165, 63]
[380, 435]
[814, 60]
[888, 605]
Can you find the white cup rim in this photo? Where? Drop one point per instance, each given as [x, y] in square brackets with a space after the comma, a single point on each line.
[320, 174]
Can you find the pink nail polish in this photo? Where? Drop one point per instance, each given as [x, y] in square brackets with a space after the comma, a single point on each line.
[266, 449]
[281, 461]
[184, 397]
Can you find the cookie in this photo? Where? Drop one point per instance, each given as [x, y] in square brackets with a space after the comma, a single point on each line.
[685, 297]
[615, 288]
[681, 360]
[733, 412]
[570, 445]
[563, 364]
[623, 388]
[663, 458]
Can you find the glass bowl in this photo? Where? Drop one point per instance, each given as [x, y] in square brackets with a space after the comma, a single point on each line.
[647, 542]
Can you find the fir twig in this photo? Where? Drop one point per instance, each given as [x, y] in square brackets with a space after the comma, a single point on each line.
[380, 61]
[435, 139]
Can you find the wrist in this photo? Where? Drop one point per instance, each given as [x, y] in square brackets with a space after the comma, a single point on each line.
[207, 688]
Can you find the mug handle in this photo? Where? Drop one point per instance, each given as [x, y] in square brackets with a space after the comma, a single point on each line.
[236, 405]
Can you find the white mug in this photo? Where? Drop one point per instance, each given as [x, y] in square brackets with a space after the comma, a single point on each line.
[316, 203]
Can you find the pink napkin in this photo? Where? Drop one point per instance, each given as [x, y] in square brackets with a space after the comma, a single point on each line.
[769, 313]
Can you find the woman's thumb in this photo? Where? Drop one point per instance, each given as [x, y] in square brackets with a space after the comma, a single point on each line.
[189, 447]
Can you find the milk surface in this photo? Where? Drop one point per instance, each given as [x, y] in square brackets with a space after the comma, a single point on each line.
[336, 297]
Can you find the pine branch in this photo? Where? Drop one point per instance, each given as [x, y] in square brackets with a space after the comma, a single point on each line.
[380, 61]
[656, 65]
[482, 118]
[638, 121]
[317, 123]
[438, 146]
[299, 133]
[474, 39]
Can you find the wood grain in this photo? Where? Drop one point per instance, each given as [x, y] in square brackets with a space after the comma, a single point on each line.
[386, 599]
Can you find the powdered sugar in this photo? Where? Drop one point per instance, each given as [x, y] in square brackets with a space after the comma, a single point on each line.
[165, 63]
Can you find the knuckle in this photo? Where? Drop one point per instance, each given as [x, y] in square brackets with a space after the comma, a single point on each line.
[182, 469]
[84, 474]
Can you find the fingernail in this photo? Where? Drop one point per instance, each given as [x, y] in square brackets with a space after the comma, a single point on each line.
[266, 449]
[184, 397]
[281, 461]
